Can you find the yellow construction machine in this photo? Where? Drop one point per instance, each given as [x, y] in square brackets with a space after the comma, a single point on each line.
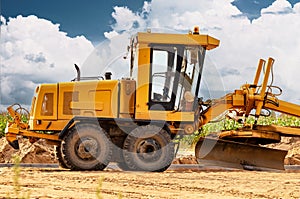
[133, 121]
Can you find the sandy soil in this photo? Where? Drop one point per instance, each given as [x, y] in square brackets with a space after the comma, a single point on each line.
[292, 145]
[38, 152]
[58, 183]
[41, 152]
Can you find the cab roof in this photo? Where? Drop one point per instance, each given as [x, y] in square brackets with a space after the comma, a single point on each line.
[183, 39]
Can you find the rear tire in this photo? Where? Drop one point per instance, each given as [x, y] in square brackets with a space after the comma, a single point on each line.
[59, 157]
[123, 166]
[148, 148]
[87, 147]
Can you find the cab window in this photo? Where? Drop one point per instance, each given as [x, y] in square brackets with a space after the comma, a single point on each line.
[47, 105]
[163, 73]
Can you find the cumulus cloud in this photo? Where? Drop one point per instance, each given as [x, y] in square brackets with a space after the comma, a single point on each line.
[109, 54]
[36, 58]
[33, 51]
[243, 42]
[278, 7]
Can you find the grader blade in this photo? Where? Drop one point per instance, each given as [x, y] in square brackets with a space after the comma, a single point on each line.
[219, 152]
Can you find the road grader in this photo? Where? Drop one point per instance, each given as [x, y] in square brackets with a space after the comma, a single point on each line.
[134, 120]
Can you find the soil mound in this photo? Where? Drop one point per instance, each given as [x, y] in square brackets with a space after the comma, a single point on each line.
[190, 159]
[41, 152]
[38, 152]
[292, 144]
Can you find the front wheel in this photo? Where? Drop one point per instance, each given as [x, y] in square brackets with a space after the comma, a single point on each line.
[87, 147]
[148, 148]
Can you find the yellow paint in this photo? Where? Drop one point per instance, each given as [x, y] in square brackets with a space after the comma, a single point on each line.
[54, 105]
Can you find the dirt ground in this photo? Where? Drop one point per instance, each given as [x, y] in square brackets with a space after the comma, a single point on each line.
[187, 183]
[41, 152]
[58, 183]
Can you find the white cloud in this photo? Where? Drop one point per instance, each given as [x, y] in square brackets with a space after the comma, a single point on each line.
[33, 51]
[274, 34]
[183, 16]
[110, 35]
[126, 20]
[2, 20]
[278, 7]
[108, 57]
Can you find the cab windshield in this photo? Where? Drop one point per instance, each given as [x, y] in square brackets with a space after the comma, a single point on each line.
[175, 75]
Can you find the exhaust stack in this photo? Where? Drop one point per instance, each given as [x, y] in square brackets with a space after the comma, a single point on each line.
[78, 72]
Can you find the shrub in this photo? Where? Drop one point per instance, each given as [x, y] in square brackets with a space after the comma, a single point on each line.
[227, 124]
[3, 120]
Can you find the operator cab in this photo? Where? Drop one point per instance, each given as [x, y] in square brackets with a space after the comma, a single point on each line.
[168, 70]
[175, 76]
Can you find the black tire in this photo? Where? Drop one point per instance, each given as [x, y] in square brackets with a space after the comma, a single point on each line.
[148, 148]
[87, 147]
[123, 166]
[59, 157]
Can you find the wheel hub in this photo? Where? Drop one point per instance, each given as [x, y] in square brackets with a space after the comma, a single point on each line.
[149, 150]
[87, 149]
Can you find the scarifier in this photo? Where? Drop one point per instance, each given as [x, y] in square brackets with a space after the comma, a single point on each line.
[133, 121]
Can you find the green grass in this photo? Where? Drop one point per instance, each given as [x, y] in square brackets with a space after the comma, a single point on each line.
[3, 119]
[18, 192]
[227, 124]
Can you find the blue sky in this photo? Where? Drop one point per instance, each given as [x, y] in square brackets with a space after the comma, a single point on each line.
[252, 8]
[41, 40]
[76, 17]
[92, 18]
